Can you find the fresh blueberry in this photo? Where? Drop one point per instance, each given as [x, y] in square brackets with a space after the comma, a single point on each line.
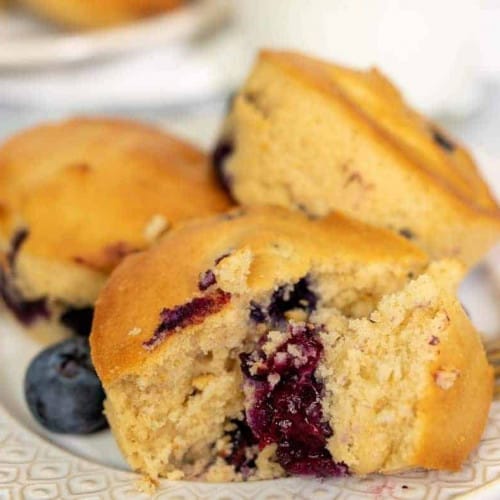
[62, 389]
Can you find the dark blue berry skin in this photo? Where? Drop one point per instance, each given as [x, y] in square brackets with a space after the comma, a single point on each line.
[284, 299]
[442, 141]
[223, 150]
[26, 311]
[77, 320]
[62, 390]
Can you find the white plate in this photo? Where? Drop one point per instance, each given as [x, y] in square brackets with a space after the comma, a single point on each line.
[35, 464]
[26, 42]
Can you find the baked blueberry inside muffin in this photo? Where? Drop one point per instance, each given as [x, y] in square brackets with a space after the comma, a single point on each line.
[318, 347]
[76, 197]
[284, 402]
[25, 310]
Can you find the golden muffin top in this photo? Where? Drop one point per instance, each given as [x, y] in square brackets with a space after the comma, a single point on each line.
[90, 190]
[371, 95]
[248, 251]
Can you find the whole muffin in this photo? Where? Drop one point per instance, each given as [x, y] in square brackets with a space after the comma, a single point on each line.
[261, 343]
[317, 137]
[78, 196]
[98, 13]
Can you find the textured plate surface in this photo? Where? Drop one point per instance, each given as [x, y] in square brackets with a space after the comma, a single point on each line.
[35, 464]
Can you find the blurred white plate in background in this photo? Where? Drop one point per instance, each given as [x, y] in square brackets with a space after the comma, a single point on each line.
[174, 60]
[26, 42]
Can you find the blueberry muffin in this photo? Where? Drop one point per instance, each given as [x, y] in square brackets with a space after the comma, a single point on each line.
[98, 13]
[261, 343]
[316, 137]
[78, 196]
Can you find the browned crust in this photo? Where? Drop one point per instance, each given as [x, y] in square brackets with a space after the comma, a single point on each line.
[167, 275]
[451, 421]
[316, 75]
[88, 187]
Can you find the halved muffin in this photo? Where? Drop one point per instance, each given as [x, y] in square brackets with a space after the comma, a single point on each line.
[77, 196]
[316, 137]
[261, 343]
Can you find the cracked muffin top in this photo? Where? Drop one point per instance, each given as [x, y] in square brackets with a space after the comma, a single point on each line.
[317, 137]
[181, 275]
[262, 343]
[88, 191]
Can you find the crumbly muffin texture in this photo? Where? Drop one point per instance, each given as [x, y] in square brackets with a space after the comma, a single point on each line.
[77, 196]
[316, 137]
[261, 344]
